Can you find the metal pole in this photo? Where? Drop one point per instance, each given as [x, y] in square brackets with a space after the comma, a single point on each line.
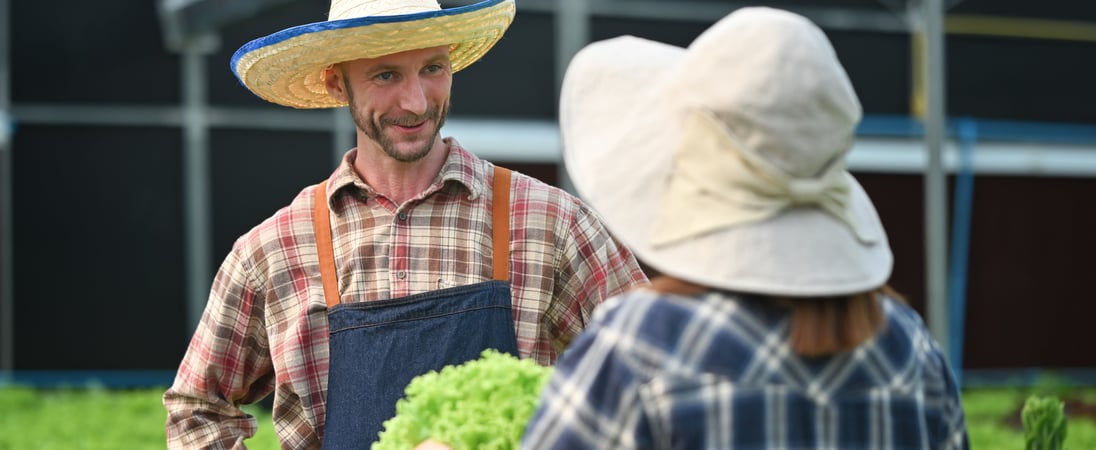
[343, 134]
[196, 176]
[935, 179]
[572, 33]
[7, 272]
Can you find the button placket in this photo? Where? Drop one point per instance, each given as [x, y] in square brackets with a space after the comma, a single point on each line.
[402, 234]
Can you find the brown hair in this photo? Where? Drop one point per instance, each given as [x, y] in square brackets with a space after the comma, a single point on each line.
[818, 326]
[823, 326]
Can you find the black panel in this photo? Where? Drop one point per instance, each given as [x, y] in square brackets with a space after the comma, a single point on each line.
[1044, 9]
[1021, 79]
[98, 248]
[516, 78]
[1029, 268]
[257, 172]
[90, 52]
[879, 67]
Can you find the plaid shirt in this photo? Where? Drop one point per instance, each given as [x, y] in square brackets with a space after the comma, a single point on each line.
[265, 326]
[656, 371]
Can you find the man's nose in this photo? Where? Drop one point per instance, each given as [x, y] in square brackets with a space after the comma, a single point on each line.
[413, 96]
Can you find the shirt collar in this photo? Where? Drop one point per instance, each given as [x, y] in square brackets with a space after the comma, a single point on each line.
[461, 167]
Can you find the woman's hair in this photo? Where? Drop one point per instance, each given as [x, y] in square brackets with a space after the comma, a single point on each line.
[818, 326]
[823, 326]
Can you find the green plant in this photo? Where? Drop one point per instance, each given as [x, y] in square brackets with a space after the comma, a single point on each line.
[482, 404]
[1044, 422]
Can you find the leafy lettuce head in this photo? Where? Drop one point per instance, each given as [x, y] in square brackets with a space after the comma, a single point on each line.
[481, 404]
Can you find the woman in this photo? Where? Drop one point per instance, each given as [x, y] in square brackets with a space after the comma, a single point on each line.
[771, 326]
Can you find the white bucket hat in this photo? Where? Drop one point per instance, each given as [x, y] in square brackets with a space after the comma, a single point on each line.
[286, 67]
[724, 163]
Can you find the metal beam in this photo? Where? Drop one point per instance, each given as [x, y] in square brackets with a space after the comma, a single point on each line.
[7, 271]
[198, 227]
[572, 34]
[343, 134]
[883, 144]
[931, 32]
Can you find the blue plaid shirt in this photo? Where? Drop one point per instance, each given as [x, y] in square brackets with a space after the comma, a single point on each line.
[659, 371]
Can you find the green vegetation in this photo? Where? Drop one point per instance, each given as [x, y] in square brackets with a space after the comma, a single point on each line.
[481, 404]
[97, 418]
[994, 421]
[1044, 420]
[94, 418]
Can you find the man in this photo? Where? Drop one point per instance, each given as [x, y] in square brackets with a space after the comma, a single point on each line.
[414, 254]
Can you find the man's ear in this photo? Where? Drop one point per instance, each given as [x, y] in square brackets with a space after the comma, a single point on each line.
[333, 81]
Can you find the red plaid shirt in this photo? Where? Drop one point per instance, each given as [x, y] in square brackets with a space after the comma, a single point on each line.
[265, 326]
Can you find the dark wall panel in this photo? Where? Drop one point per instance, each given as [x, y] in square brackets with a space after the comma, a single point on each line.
[1030, 290]
[98, 248]
[90, 52]
[1021, 79]
[1031, 258]
[899, 199]
[255, 173]
[516, 78]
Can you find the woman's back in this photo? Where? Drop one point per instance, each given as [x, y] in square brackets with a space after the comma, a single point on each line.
[716, 371]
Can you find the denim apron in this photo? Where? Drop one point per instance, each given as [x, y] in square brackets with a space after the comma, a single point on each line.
[378, 347]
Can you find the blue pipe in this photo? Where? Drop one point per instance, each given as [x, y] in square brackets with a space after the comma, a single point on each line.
[962, 208]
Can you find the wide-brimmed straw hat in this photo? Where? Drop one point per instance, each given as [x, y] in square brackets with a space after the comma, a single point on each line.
[286, 67]
[724, 163]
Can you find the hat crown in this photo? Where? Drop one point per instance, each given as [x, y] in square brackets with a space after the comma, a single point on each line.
[774, 80]
[350, 9]
[723, 163]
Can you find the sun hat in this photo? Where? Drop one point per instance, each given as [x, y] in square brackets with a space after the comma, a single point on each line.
[286, 67]
[724, 163]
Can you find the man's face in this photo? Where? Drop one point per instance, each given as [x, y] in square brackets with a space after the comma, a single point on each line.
[400, 101]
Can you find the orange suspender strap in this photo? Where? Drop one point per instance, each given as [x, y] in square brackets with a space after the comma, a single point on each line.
[321, 225]
[500, 244]
[500, 224]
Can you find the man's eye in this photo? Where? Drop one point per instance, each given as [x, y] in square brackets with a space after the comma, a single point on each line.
[434, 68]
[385, 76]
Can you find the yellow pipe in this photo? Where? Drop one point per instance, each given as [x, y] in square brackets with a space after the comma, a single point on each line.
[1066, 30]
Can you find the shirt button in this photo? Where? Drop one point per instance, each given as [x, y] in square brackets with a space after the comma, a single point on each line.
[401, 274]
[402, 215]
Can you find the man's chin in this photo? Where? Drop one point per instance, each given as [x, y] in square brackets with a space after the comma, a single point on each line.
[410, 151]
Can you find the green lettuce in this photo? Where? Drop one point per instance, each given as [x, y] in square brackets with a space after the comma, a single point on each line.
[481, 404]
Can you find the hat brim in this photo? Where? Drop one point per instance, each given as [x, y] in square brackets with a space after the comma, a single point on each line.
[285, 67]
[619, 129]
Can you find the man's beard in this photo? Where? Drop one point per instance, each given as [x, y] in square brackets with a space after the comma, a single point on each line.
[374, 129]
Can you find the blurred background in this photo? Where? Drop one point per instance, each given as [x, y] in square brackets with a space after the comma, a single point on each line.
[132, 159]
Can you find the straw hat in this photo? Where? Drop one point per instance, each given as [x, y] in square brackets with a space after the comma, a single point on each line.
[285, 67]
[724, 163]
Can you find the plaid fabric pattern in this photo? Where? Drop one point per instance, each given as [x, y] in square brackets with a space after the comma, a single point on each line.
[265, 326]
[656, 371]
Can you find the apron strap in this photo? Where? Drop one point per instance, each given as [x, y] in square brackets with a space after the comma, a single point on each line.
[500, 224]
[321, 226]
[500, 242]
